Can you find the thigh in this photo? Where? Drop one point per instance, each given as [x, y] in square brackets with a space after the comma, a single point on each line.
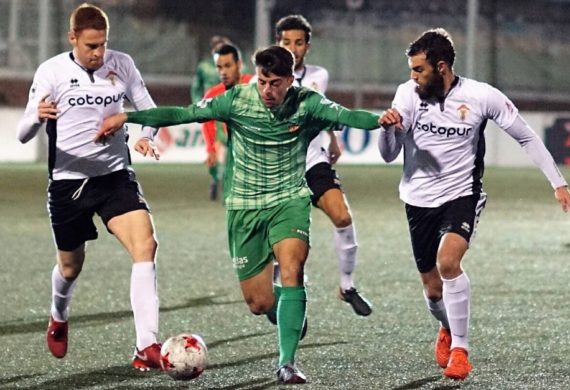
[248, 240]
[71, 214]
[461, 215]
[291, 219]
[291, 254]
[121, 193]
[321, 178]
[425, 233]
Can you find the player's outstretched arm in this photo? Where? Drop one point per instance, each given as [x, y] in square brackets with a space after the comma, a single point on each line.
[563, 197]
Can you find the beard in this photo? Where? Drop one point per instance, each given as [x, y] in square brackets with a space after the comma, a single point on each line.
[433, 89]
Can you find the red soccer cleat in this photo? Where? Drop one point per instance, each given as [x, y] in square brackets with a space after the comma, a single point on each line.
[56, 337]
[147, 358]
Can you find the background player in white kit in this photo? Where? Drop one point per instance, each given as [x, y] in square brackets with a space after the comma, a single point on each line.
[439, 118]
[72, 93]
[294, 33]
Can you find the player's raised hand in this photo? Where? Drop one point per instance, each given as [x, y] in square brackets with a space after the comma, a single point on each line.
[563, 197]
[110, 126]
[147, 148]
[391, 117]
[47, 109]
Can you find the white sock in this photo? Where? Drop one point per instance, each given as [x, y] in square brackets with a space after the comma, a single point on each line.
[61, 293]
[456, 295]
[346, 246]
[437, 309]
[144, 301]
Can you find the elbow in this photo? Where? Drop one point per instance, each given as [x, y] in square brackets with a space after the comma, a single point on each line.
[388, 157]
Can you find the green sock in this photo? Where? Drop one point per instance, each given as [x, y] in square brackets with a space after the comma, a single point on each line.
[290, 319]
[277, 294]
[213, 171]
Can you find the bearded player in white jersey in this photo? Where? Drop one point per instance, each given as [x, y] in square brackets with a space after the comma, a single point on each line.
[71, 94]
[439, 118]
[294, 33]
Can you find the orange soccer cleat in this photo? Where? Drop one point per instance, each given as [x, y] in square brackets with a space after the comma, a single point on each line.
[458, 366]
[442, 347]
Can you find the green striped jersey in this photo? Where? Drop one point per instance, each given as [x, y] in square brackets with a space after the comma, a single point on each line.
[267, 148]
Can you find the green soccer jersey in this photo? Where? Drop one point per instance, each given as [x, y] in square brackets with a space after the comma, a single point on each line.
[266, 147]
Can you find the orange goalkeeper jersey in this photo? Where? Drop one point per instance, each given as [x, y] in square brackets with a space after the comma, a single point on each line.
[209, 128]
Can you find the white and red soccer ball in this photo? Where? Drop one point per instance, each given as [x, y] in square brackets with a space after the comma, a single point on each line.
[184, 356]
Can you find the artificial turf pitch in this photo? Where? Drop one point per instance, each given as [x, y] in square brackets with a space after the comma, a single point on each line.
[519, 269]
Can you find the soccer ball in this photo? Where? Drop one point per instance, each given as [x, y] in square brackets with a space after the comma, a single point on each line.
[184, 356]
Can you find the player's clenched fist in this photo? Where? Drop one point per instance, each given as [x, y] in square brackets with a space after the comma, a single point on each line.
[391, 117]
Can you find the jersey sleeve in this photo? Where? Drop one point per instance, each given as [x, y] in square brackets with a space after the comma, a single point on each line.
[391, 139]
[217, 108]
[334, 114]
[500, 109]
[536, 150]
[138, 95]
[41, 88]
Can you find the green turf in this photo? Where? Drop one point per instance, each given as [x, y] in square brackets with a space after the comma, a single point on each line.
[518, 266]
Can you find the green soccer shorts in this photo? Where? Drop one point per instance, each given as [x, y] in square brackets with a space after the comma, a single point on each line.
[252, 233]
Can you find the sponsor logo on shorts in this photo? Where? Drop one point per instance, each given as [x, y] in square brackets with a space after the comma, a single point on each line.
[467, 227]
[240, 262]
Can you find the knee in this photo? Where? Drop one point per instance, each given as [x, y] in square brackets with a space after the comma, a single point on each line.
[341, 220]
[433, 293]
[70, 271]
[259, 305]
[292, 275]
[448, 267]
[146, 248]
[433, 286]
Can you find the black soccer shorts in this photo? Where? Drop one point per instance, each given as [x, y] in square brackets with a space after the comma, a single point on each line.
[321, 178]
[428, 225]
[73, 203]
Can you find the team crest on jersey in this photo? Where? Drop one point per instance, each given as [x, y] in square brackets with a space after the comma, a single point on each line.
[293, 128]
[463, 111]
[111, 76]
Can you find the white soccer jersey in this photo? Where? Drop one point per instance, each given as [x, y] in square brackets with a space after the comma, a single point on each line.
[317, 78]
[444, 143]
[84, 99]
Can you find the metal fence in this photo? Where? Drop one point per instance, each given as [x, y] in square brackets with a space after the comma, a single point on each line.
[521, 45]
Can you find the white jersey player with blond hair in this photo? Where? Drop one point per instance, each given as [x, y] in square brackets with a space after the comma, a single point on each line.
[439, 119]
[294, 33]
[70, 95]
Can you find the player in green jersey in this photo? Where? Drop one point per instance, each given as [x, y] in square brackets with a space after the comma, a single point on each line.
[270, 125]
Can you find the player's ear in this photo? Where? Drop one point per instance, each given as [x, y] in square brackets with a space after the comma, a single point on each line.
[72, 38]
[441, 65]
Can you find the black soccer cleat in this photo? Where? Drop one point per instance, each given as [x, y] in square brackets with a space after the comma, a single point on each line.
[288, 374]
[213, 192]
[359, 304]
